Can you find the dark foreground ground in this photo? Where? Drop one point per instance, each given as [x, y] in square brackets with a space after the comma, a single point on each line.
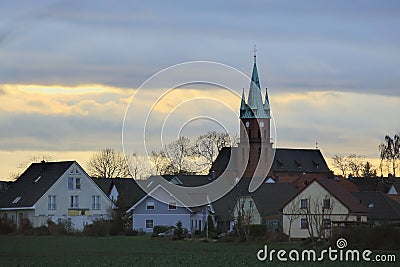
[142, 251]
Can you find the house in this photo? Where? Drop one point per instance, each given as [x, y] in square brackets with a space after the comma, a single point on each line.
[161, 207]
[264, 205]
[382, 209]
[123, 192]
[55, 191]
[320, 204]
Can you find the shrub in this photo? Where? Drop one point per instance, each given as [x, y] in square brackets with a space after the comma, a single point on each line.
[6, 226]
[63, 226]
[385, 237]
[131, 232]
[98, 228]
[257, 230]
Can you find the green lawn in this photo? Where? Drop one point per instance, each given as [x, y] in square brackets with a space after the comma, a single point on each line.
[135, 251]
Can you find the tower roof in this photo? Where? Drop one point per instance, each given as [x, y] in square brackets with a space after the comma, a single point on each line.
[255, 108]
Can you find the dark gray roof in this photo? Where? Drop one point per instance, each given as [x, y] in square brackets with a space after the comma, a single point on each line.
[270, 198]
[380, 206]
[29, 190]
[299, 160]
[224, 206]
[190, 180]
[381, 184]
[285, 160]
[129, 192]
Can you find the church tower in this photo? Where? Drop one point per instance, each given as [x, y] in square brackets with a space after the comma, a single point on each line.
[254, 148]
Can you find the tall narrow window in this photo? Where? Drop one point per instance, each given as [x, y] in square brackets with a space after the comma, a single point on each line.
[304, 223]
[249, 133]
[96, 202]
[51, 202]
[304, 203]
[327, 203]
[78, 183]
[70, 183]
[74, 203]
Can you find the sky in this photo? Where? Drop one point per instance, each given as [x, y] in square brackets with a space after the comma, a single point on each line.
[69, 69]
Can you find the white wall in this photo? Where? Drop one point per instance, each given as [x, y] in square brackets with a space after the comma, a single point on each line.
[316, 193]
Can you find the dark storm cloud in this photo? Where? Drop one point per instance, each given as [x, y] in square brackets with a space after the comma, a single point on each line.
[122, 44]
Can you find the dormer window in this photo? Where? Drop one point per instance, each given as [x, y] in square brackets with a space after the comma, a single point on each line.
[15, 201]
[298, 164]
[37, 179]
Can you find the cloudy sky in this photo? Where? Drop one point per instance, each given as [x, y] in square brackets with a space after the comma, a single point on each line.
[68, 70]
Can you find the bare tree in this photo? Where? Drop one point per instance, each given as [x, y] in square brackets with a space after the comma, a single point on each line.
[316, 213]
[292, 212]
[210, 144]
[108, 163]
[179, 153]
[160, 162]
[390, 150]
[355, 164]
[244, 218]
[139, 166]
[340, 163]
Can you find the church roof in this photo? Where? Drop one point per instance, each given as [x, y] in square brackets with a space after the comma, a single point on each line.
[285, 160]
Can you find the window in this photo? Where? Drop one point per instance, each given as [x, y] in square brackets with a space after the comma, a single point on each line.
[70, 183]
[51, 205]
[150, 205]
[304, 203]
[15, 201]
[172, 205]
[78, 183]
[251, 204]
[149, 223]
[326, 223]
[303, 223]
[37, 179]
[74, 202]
[96, 202]
[327, 203]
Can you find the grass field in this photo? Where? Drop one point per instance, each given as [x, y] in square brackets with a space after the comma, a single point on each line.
[137, 251]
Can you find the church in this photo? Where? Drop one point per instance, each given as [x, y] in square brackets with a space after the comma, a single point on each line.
[281, 172]
[255, 155]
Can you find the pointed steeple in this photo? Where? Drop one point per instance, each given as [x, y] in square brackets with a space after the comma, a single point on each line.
[255, 99]
[267, 108]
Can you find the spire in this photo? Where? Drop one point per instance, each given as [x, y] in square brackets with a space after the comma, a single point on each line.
[254, 99]
[266, 104]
